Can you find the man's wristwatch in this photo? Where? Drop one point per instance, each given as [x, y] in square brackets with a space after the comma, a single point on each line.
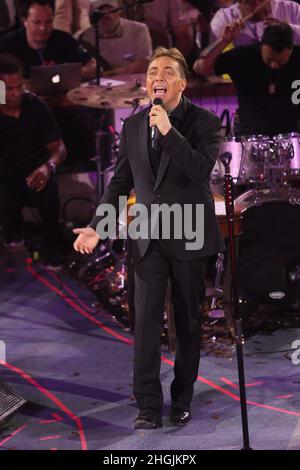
[52, 167]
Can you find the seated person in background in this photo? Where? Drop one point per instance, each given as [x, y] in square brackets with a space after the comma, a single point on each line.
[252, 30]
[166, 21]
[72, 16]
[10, 16]
[30, 151]
[125, 46]
[263, 74]
[40, 44]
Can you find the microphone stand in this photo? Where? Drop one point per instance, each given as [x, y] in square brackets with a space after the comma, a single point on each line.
[234, 301]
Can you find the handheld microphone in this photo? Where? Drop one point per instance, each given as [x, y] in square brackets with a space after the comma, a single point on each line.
[154, 130]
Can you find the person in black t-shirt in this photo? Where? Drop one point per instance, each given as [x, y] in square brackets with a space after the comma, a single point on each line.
[40, 44]
[263, 75]
[30, 150]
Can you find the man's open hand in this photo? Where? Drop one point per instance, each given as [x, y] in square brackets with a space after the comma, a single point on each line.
[86, 241]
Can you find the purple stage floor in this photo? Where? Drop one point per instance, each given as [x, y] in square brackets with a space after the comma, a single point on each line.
[73, 363]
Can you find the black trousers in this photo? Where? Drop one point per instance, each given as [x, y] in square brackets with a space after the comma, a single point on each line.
[187, 292]
[15, 194]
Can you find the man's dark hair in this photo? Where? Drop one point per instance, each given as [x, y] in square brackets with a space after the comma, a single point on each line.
[279, 36]
[174, 54]
[26, 4]
[9, 65]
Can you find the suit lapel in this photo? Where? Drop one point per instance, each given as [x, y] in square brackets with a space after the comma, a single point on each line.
[165, 159]
[164, 162]
[143, 147]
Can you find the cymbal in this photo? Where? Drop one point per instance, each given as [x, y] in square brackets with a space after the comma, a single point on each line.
[106, 97]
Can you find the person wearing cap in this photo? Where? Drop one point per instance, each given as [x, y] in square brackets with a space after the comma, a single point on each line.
[125, 45]
[167, 20]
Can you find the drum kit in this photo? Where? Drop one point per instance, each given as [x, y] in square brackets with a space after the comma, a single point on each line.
[259, 160]
[265, 171]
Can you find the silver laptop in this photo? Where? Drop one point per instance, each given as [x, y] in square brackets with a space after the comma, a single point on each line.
[53, 79]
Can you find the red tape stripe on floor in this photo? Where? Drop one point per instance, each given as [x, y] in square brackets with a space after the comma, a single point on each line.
[51, 397]
[164, 359]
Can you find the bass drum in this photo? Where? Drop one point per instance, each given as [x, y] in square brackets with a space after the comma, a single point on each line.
[269, 246]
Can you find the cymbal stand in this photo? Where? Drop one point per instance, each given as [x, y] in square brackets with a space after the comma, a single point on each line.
[229, 203]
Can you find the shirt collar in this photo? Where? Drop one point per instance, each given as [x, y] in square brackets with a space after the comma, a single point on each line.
[177, 113]
[117, 33]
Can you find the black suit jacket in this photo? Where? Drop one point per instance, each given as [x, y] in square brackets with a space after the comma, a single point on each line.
[188, 156]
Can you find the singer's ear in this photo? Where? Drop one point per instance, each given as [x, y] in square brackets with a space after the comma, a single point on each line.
[183, 84]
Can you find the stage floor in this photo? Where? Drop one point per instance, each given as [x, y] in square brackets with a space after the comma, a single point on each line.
[73, 363]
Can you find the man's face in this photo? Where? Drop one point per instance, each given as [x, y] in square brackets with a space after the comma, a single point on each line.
[14, 90]
[248, 6]
[275, 60]
[110, 21]
[164, 80]
[39, 24]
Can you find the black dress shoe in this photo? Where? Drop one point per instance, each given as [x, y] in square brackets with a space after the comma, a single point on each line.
[180, 417]
[147, 420]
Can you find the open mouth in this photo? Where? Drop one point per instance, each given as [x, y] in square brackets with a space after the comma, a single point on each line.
[160, 91]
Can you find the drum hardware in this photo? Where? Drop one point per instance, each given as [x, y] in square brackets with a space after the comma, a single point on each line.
[217, 291]
[259, 161]
[95, 16]
[99, 180]
[225, 116]
[294, 275]
[234, 300]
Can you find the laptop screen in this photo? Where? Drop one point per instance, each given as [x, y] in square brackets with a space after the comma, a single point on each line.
[53, 79]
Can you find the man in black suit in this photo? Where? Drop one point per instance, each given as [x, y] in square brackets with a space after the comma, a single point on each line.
[176, 171]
